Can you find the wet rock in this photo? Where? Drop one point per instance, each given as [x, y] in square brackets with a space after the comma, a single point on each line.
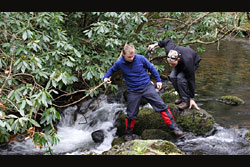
[144, 147]
[98, 136]
[231, 100]
[155, 134]
[198, 122]
[147, 118]
[247, 136]
[169, 96]
[122, 139]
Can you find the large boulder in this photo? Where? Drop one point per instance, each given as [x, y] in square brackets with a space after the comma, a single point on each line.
[198, 122]
[144, 147]
[147, 118]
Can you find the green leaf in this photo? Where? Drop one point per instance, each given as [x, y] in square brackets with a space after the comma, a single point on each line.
[54, 83]
[21, 112]
[2, 124]
[77, 53]
[24, 35]
[29, 102]
[44, 99]
[12, 116]
[34, 122]
[23, 104]
[17, 96]
[64, 79]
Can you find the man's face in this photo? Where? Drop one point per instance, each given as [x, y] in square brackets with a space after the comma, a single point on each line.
[172, 62]
[129, 56]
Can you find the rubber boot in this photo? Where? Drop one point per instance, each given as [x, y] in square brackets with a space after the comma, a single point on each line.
[169, 120]
[129, 126]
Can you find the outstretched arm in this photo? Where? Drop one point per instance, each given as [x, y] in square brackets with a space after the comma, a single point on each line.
[109, 73]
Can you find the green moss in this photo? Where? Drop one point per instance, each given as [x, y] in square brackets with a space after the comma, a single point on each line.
[155, 134]
[170, 96]
[231, 100]
[145, 147]
[146, 110]
[166, 147]
[147, 118]
[247, 136]
[196, 122]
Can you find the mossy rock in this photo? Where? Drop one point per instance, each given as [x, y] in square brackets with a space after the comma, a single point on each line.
[198, 122]
[118, 141]
[145, 147]
[155, 134]
[231, 100]
[247, 136]
[147, 118]
[169, 96]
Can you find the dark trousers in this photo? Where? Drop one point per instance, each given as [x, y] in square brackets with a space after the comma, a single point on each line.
[150, 94]
[180, 84]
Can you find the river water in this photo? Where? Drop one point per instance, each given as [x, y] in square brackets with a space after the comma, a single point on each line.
[226, 72]
[222, 72]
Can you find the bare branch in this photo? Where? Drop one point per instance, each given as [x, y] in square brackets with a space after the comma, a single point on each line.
[18, 74]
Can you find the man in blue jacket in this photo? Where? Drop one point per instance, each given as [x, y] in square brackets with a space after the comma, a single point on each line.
[134, 70]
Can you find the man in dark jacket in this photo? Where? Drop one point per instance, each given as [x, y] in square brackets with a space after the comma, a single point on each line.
[134, 70]
[185, 62]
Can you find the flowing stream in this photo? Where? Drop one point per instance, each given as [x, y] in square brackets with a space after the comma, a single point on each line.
[75, 137]
[221, 72]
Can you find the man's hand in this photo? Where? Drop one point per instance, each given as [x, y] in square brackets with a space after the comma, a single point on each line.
[151, 47]
[107, 81]
[159, 85]
[192, 103]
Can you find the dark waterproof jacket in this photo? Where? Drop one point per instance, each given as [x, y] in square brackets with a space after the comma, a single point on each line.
[188, 64]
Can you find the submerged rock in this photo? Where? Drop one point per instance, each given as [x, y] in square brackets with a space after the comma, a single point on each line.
[231, 100]
[144, 147]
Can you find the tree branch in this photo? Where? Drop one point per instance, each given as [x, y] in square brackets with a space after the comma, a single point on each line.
[210, 42]
[91, 91]
[189, 25]
[18, 74]
[9, 72]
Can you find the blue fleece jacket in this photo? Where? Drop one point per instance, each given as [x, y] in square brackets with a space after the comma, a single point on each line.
[135, 72]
